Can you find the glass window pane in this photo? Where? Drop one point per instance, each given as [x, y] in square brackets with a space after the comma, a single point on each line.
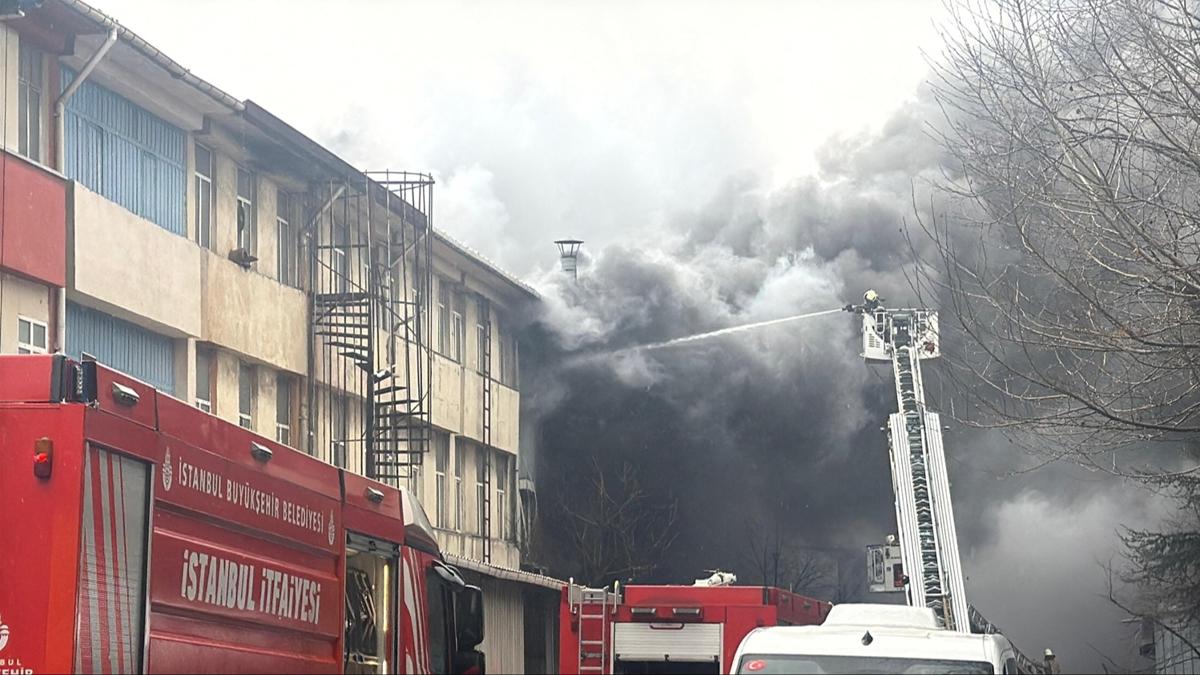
[284, 252]
[33, 61]
[442, 442]
[204, 161]
[245, 184]
[283, 399]
[204, 212]
[22, 116]
[203, 375]
[35, 126]
[245, 389]
[23, 331]
[39, 336]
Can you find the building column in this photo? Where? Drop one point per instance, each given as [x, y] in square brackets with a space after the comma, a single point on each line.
[264, 401]
[185, 370]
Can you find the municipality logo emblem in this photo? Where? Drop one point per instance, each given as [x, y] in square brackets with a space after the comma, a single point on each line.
[166, 471]
[332, 528]
[3, 635]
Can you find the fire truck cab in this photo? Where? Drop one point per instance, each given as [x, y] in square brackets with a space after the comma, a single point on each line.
[140, 534]
[670, 629]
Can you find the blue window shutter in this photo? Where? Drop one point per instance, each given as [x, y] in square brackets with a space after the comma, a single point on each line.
[129, 348]
[126, 154]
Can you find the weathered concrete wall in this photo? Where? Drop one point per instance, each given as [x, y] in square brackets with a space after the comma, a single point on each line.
[225, 385]
[506, 417]
[254, 315]
[225, 205]
[151, 275]
[458, 404]
[447, 393]
[268, 231]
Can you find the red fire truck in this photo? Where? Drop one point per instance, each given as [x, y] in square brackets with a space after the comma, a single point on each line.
[139, 534]
[670, 629]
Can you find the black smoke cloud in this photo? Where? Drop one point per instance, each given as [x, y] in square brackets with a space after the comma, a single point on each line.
[781, 426]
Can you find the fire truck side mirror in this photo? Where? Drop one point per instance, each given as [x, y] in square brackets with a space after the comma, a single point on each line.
[468, 611]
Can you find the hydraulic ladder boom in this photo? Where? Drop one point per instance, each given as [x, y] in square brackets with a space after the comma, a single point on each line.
[924, 512]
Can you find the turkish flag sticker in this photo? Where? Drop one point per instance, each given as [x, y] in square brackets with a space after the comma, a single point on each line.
[755, 665]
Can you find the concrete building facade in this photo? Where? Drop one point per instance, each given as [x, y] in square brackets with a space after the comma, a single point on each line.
[155, 223]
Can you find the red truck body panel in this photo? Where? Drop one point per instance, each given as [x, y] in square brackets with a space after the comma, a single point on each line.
[160, 542]
[738, 610]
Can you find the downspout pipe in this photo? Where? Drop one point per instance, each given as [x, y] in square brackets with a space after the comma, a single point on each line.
[60, 152]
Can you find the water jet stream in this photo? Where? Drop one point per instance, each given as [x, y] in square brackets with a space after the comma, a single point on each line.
[704, 336]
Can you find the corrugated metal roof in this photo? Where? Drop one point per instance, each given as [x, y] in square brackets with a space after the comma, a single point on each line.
[521, 576]
[486, 263]
[153, 53]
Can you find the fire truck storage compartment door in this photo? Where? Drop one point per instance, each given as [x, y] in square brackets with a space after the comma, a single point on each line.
[112, 570]
[667, 641]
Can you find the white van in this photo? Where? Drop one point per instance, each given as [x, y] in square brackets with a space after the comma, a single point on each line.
[864, 638]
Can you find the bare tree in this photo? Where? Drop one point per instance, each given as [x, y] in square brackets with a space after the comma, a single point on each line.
[618, 531]
[1068, 250]
[784, 564]
[1071, 258]
[850, 582]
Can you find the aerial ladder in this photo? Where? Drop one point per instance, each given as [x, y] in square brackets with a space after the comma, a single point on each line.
[924, 512]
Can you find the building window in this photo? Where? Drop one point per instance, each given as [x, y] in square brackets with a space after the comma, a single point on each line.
[204, 380]
[480, 488]
[205, 170]
[31, 336]
[414, 479]
[441, 452]
[460, 451]
[482, 317]
[246, 387]
[443, 317]
[458, 331]
[29, 102]
[247, 227]
[340, 258]
[508, 356]
[288, 245]
[339, 430]
[283, 408]
[384, 284]
[502, 492]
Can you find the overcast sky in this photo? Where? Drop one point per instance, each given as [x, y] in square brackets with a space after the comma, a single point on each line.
[551, 119]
